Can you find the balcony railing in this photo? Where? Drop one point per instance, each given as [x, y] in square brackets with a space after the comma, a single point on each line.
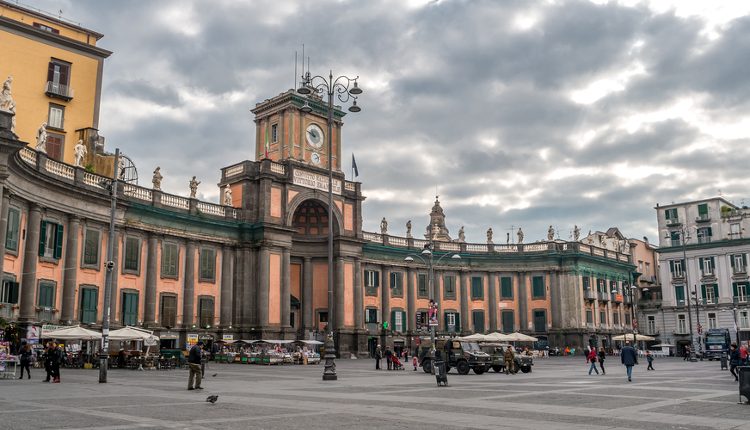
[53, 89]
[45, 314]
[673, 221]
[589, 294]
[617, 297]
[703, 218]
[604, 297]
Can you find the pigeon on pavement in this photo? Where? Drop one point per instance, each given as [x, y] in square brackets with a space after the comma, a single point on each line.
[212, 399]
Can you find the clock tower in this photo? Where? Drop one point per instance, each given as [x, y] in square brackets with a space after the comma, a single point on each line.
[283, 131]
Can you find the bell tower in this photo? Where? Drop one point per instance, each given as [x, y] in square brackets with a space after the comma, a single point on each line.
[283, 130]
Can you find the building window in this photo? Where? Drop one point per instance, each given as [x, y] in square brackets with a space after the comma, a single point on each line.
[46, 297]
[371, 316]
[537, 287]
[506, 288]
[50, 240]
[372, 282]
[508, 321]
[616, 318]
[734, 231]
[744, 319]
[91, 245]
[129, 308]
[274, 132]
[707, 266]
[586, 282]
[89, 301]
[452, 322]
[738, 261]
[540, 321]
[449, 287]
[674, 237]
[56, 116]
[206, 312]
[397, 285]
[704, 235]
[11, 232]
[651, 324]
[671, 215]
[477, 288]
[45, 28]
[9, 291]
[740, 291]
[589, 316]
[676, 267]
[681, 326]
[602, 318]
[168, 311]
[711, 320]
[477, 320]
[679, 295]
[169, 257]
[323, 317]
[132, 256]
[422, 286]
[208, 265]
[703, 211]
[710, 293]
[398, 321]
[55, 145]
[627, 319]
[58, 76]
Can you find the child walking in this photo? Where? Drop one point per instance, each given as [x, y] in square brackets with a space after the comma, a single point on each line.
[650, 360]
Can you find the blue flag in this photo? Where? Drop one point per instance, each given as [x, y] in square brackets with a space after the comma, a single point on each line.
[354, 166]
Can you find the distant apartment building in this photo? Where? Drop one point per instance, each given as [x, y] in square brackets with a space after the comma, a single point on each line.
[702, 256]
[56, 71]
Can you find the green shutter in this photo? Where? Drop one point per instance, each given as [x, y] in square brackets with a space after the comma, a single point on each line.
[731, 261]
[58, 242]
[42, 237]
[404, 327]
[735, 291]
[445, 320]
[393, 320]
[716, 293]
[458, 321]
[703, 292]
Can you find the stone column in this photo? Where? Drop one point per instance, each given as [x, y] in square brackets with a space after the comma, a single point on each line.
[385, 295]
[188, 292]
[464, 291]
[359, 304]
[411, 299]
[338, 293]
[227, 286]
[3, 227]
[492, 288]
[249, 304]
[307, 294]
[263, 284]
[30, 259]
[285, 288]
[554, 297]
[522, 302]
[70, 271]
[152, 275]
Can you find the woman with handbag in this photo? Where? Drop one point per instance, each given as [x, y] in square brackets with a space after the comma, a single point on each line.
[601, 356]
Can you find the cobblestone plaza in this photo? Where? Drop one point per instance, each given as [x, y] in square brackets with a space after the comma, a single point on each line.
[558, 394]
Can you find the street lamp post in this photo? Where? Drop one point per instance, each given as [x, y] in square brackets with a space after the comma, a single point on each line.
[104, 347]
[341, 88]
[683, 239]
[699, 329]
[427, 259]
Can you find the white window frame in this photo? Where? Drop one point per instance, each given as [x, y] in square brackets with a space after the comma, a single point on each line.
[711, 320]
[451, 319]
[744, 319]
[734, 230]
[739, 263]
[679, 271]
[56, 116]
[710, 298]
[399, 321]
[741, 293]
[706, 266]
[370, 279]
[651, 323]
[681, 324]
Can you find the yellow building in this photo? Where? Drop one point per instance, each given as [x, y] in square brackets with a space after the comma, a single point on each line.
[56, 71]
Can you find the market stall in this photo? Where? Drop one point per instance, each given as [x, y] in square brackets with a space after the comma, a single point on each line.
[74, 354]
[136, 358]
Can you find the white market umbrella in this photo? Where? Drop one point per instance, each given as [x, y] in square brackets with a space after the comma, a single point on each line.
[72, 333]
[520, 337]
[311, 342]
[498, 337]
[131, 333]
[629, 336]
[662, 345]
[476, 337]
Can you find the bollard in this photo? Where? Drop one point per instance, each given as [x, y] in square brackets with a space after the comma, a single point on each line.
[744, 379]
[723, 360]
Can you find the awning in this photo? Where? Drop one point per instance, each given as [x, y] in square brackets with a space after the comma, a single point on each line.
[629, 337]
[311, 342]
[132, 333]
[72, 333]
[520, 337]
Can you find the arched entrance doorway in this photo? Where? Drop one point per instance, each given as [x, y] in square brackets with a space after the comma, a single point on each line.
[309, 267]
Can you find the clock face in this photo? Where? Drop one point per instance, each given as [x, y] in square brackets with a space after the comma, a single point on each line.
[314, 135]
[315, 157]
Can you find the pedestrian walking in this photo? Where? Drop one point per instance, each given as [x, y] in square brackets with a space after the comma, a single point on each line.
[601, 356]
[55, 357]
[47, 360]
[629, 358]
[378, 357]
[734, 360]
[25, 356]
[743, 354]
[591, 357]
[414, 361]
[508, 358]
[650, 360]
[388, 359]
[194, 362]
[686, 354]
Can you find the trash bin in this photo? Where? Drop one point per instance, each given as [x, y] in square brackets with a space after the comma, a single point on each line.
[441, 375]
[723, 360]
[744, 377]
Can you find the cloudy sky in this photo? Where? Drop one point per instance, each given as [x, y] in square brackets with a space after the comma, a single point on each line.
[520, 113]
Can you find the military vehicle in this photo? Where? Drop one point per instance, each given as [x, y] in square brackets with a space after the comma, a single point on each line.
[497, 358]
[461, 355]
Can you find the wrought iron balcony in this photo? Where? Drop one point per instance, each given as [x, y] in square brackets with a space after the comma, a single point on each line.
[589, 294]
[53, 89]
[604, 297]
[674, 222]
[703, 218]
